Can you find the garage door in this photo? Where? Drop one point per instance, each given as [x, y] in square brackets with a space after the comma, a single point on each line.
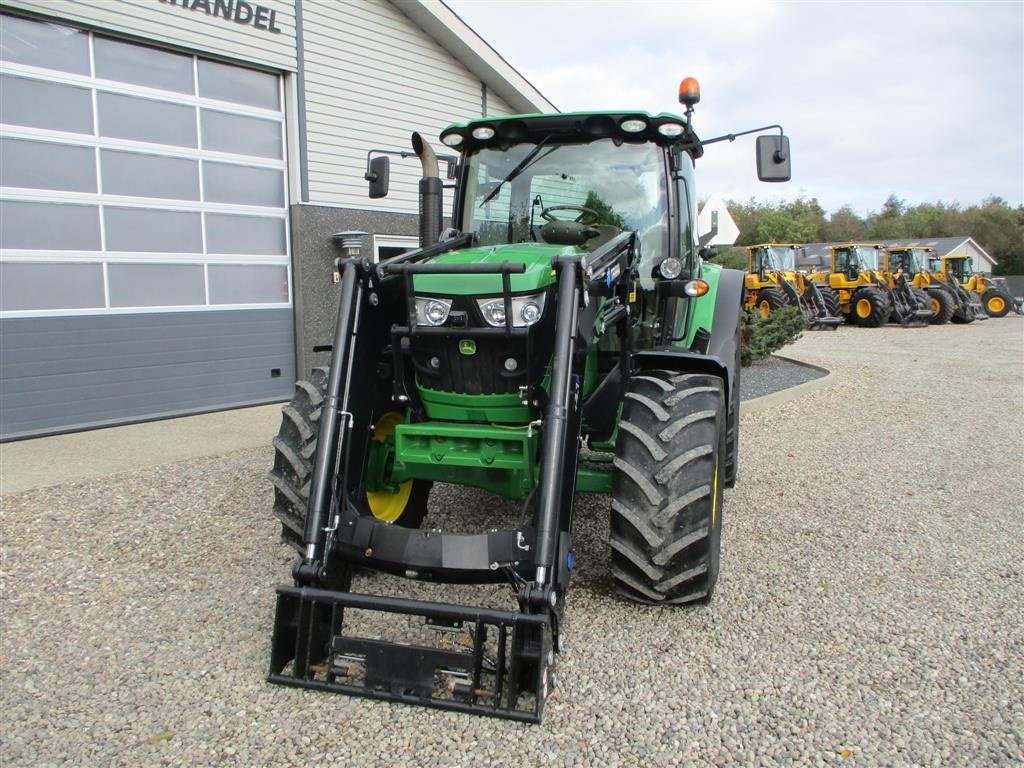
[144, 267]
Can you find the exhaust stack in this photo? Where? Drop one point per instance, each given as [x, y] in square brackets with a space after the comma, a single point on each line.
[431, 195]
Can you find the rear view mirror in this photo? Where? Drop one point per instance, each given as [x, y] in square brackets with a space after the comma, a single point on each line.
[377, 173]
[773, 162]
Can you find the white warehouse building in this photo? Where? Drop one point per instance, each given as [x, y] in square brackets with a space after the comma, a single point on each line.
[171, 172]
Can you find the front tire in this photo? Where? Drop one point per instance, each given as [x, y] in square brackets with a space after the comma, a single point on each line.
[769, 299]
[666, 518]
[869, 308]
[295, 453]
[831, 300]
[996, 302]
[942, 304]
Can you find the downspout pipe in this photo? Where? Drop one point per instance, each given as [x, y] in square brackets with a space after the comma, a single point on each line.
[431, 195]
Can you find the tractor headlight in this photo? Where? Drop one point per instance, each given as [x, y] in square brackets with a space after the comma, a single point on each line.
[670, 268]
[431, 311]
[526, 310]
[670, 130]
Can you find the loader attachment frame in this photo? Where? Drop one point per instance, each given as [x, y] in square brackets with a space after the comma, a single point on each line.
[905, 307]
[504, 666]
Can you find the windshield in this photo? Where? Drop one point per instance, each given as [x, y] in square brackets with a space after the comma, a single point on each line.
[912, 262]
[780, 259]
[624, 186]
[869, 258]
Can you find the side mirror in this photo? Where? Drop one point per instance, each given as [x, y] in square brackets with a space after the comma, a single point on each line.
[378, 171]
[708, 253]
[773, 161]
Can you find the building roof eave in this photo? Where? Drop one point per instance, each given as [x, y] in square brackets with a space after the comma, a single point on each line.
[447, 28]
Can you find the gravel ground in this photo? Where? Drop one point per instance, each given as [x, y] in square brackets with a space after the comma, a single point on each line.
[870, 609]
[773, 374]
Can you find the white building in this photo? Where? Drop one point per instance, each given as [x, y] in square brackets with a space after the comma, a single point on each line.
[170, 174]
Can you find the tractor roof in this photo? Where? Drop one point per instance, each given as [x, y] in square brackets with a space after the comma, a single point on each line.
[857, 245]
[571, 127]
[775, 245]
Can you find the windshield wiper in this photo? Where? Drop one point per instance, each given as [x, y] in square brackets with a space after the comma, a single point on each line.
[522, 166]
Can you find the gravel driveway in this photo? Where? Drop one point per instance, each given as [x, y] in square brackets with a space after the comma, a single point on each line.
[870, 609]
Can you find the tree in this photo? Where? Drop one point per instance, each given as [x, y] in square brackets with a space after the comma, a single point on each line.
[605, 214]
[845, 226]
[888, 223]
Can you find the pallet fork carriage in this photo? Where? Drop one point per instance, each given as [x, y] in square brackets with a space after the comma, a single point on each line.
[487, 358]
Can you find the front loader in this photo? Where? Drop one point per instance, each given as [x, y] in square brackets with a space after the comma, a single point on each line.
[568, 307]
[987, 297]
[773, 282]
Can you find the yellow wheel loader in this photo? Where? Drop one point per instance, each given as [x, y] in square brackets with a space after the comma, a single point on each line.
[994, 299]
[773, 281]
[947, 301]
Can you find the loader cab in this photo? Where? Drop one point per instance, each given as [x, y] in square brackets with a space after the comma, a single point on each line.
[960, 267]
[765, 259]
[852, 260]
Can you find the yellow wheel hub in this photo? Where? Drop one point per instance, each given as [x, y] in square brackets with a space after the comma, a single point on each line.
[996, 304]
[764, 309]
[936, 306]
[384, 505]
[863, 308]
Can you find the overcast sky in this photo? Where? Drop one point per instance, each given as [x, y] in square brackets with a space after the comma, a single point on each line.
[921, 100]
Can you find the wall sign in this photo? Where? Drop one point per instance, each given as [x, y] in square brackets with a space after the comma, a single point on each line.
[238, 11]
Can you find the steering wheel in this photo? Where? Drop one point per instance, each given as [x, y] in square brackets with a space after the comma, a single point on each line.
[586, 215]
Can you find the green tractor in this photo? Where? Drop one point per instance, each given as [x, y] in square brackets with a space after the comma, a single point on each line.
[569, 307]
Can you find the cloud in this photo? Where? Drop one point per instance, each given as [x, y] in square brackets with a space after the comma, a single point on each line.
[925, 100]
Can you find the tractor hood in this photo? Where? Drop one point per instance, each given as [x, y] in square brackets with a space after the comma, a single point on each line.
[536, 256]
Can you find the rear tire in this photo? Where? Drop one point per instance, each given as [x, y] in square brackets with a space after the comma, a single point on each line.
[769, 299]
[295, 453]
[942, 305]
[869, 308]
[996, 302]
[666, 518]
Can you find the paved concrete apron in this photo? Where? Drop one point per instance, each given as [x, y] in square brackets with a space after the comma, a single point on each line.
[870, 610]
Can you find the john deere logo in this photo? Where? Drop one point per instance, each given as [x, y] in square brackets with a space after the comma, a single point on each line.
[467, 346]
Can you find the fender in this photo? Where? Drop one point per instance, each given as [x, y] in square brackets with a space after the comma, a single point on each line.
[720, 354]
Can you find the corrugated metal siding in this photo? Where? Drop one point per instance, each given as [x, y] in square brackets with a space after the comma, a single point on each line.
[183, 28]
[372, 78]
[61, 373]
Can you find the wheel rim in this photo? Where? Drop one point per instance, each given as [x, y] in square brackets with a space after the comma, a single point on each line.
[764, 309]
[863, 308]
[936, 306]
[996, 304]
[384, 505]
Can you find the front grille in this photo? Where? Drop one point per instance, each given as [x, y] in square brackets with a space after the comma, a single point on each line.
[483, 372]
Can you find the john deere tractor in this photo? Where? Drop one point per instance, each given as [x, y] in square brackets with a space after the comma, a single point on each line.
[869, 295]
[773, 282]
[995, 300]
[568, 307]
[947, 301]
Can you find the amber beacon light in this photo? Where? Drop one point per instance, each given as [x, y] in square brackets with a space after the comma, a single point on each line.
[689, 91]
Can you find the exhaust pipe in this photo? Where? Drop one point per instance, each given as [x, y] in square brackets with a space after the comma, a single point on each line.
[431, 200]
